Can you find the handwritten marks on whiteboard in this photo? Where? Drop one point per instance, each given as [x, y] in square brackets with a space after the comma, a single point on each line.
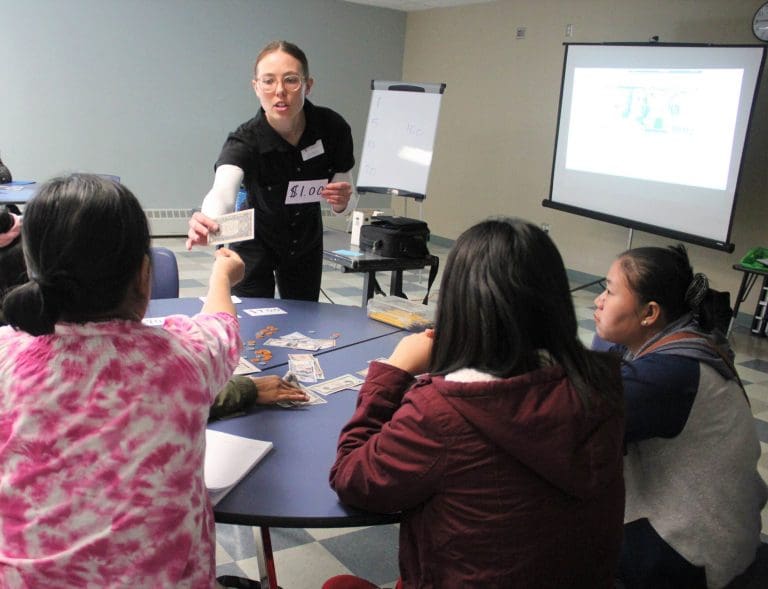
[399, 140]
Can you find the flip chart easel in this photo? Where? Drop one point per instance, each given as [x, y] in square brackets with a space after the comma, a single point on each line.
[399, 138]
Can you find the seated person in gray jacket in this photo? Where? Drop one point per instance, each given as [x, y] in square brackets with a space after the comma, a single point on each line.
[694, 495]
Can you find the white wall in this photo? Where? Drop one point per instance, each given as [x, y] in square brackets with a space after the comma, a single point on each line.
[149, 89]
[495, 138]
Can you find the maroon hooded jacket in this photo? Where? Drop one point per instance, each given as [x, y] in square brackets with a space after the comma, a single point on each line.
[503, 483]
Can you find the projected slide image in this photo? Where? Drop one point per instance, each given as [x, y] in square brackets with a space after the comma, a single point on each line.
[664, 125]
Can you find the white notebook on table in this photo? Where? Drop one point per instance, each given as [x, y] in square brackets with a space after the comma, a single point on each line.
[228, 458]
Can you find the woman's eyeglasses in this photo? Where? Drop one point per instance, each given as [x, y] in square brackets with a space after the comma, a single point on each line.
[268, 84]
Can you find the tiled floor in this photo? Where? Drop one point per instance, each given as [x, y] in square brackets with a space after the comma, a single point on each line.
[306, 557]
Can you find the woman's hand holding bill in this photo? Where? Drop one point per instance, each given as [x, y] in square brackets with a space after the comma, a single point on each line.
[199, 228]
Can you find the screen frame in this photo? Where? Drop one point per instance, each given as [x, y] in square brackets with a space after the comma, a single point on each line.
[640, 224]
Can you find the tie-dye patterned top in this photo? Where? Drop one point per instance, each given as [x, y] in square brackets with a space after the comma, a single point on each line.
[102, 440]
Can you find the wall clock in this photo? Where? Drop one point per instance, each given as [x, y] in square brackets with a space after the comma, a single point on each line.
[760, 23]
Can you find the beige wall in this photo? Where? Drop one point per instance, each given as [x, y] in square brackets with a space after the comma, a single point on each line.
[495, 139]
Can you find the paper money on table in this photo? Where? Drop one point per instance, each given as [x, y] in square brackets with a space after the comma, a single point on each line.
[233, 227]
[321, 344]
[299, 341]
[314, 398]
[325, 343]
[296, 344]
[345, 381]
[304, 366]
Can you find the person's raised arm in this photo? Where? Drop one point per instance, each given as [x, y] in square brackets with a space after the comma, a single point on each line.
[220, 200]
[228, 270]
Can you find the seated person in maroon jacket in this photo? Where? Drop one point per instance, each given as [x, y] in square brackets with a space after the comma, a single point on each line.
[497, 435]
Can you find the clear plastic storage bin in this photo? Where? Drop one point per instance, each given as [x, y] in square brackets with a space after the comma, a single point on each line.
[410, 315]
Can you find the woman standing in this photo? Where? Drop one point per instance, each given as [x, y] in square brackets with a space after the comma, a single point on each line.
[693, 491]
[288, 142]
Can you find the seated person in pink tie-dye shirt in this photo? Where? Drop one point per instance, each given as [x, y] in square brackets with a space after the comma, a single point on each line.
[102, 419]
[238, 395]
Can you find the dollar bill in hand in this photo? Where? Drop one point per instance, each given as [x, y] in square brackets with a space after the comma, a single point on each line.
[233, 227]
[314, 398]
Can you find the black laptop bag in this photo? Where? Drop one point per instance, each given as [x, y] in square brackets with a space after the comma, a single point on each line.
[395, 237]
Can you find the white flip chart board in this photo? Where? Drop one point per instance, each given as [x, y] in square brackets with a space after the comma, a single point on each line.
[399, 138]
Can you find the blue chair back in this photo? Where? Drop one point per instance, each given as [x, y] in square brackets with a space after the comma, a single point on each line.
[165, 274]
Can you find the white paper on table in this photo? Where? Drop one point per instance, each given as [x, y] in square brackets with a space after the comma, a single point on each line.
[235, 299]
[153, 321]
[246, 367]
[265, 311]
[228, 458]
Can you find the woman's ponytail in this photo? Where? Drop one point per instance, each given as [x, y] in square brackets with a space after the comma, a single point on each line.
[27, 307]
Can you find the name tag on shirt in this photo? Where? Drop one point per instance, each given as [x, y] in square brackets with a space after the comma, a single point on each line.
[313, 150]
[304, 191]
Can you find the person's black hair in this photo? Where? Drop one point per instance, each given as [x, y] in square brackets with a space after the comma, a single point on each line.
[12, 268]
[504, 298]
[664, 275]
[84, 239]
